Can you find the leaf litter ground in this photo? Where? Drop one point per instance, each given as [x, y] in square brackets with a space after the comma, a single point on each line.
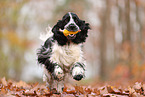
[22, 89]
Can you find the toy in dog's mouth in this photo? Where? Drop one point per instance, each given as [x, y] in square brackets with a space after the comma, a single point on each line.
[69, 34]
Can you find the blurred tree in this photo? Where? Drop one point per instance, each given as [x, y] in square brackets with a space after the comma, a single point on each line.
[103, 37]
[12, 47]
[115, 46]
[121, 33]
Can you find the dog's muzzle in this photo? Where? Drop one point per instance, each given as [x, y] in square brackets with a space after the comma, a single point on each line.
[69, 34]
[72, 27]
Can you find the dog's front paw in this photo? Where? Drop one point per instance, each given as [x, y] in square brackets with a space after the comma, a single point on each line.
[60, 87]
[78, 73]
[58, 73]
[78, 77]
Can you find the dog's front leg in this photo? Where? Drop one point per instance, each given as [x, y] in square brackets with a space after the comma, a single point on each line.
[60, 86]
[58, 73]
[58, 76]
[78, 71]
[55, 77]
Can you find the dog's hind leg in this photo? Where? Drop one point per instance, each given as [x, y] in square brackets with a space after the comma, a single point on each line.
[53, 84]
[48, 79]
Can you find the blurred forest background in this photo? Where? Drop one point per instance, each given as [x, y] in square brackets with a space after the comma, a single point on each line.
[115, 48]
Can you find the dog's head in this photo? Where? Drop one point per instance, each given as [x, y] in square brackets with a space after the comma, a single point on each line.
[70, 28]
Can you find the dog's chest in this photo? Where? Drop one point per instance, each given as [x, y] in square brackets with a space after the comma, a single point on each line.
[66, 55]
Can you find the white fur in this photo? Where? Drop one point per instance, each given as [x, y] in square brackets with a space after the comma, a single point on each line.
[71, 22]
[58, 72]
[46, 75]
[44, 36]
[78, 70]
[66, 55]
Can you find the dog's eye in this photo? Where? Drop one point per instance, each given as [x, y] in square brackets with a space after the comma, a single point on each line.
[67, 20]
[75, 19]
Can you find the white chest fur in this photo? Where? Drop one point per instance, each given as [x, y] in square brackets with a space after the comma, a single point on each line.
[66, 55]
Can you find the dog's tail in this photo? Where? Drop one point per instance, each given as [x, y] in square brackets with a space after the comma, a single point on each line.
[47, 34]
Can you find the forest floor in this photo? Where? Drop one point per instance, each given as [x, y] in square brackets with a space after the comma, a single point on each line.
[104, 89]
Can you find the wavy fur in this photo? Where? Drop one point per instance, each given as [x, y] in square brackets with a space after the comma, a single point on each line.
[62, 56]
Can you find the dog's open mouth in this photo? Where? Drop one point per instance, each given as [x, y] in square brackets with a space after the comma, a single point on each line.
[69, 34]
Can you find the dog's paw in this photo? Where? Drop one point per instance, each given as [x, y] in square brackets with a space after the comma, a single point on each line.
[78, 77]
[58, 73]
[60, 87]
[78, 73]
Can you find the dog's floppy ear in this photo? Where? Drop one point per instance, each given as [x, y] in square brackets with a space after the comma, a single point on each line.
[84, 26]
[59, 36]
[57, 26]
[81, 36]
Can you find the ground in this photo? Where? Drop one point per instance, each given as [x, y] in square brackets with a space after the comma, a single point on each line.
[97, 89]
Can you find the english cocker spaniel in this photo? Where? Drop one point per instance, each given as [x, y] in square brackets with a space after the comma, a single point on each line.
[62, 54]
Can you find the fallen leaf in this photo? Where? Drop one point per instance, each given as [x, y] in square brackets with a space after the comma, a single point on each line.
[137, 86]
[88, 90]
[69, 91]
[22, 84]
[131, 90]
[29, 93]
[96, 91]
[104, 90]
[110, 89]
[3, 91]
[4, 82]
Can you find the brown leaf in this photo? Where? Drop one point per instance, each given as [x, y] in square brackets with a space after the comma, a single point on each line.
[144, 89]
[131, 90]
[35, 84]
[110, 89]
[137, 86]
[96, 91]
[104, 90]
[22, 84]
[69, 91]
[88, 90]
[4, 82]
[3, 91]
[67, 95]
[29, 93]
[81, 90]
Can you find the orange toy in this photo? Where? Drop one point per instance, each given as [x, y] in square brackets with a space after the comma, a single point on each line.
[66, 32]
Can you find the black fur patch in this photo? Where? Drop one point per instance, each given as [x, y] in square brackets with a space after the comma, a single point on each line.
[78, 77]
[80, 37]
[45, 51]
[50, 66]
[44, 55]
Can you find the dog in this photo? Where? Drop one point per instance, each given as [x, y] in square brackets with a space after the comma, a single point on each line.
[61, 54]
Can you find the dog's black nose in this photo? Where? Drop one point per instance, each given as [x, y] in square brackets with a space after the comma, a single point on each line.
[78, 77]
[72, 27]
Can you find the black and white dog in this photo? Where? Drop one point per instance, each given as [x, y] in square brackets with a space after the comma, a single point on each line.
[62, 55]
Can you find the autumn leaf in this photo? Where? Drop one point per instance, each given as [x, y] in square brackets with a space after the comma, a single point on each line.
[20, 89]
[4, 82]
